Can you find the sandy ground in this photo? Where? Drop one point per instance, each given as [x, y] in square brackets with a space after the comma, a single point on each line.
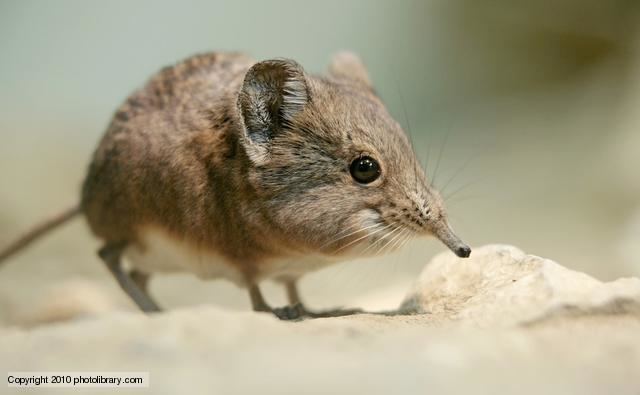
[584, 340]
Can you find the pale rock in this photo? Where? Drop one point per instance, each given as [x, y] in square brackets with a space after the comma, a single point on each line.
[501, 285]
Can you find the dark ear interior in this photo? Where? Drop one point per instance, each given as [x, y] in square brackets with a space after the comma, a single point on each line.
[273, 92]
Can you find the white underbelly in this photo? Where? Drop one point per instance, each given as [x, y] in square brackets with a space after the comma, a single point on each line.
[295, 266]
[160, 252]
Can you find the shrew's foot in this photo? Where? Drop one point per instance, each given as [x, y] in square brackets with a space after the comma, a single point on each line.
[332, 313]
[298, 312]
[294, 312]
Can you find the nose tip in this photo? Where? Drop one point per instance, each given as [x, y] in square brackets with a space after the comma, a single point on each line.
[457, 246]
[463, 251]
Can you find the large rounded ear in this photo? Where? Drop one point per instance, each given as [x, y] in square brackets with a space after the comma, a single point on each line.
[273, 92]
[348, 65]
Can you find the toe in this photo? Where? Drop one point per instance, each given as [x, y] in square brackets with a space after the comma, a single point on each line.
[288, 313]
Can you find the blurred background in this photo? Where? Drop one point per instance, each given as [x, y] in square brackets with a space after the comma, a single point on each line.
[524, 112]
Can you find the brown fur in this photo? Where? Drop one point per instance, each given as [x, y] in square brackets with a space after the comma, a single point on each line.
[251, 161]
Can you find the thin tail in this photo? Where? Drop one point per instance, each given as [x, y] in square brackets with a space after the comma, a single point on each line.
[37, 231]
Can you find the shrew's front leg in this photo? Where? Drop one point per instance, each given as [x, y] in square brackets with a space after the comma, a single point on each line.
[286, 313]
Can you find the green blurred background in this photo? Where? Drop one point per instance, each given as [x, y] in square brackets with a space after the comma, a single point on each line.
[530, 108]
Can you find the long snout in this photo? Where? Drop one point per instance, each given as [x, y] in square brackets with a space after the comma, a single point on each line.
[446, 235]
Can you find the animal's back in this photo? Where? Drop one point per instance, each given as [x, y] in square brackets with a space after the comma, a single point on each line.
[154, 146]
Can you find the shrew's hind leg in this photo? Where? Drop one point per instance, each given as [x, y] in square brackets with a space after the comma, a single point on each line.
[111, 254]
[296, 303]
[141, 279]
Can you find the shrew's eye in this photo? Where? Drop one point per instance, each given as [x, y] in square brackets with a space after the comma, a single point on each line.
[365, 169]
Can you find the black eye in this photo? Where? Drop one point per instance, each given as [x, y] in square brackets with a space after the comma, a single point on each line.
[365, 169]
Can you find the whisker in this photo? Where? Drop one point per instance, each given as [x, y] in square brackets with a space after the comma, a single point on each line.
[363, 237]
[398, 243]
[404, 241]
[428, 159]
[428, 156]
[460, 199]
[442, 147]
[342, 235]
[384, 249]
[465, 186]
[466, 163]
[409, 129]
[390, 241]
[382, 238]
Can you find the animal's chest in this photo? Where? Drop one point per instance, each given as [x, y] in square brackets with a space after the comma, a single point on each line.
[159, 252]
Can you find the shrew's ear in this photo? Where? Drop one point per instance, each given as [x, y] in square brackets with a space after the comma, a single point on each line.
[273, 92]
[348, 65]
